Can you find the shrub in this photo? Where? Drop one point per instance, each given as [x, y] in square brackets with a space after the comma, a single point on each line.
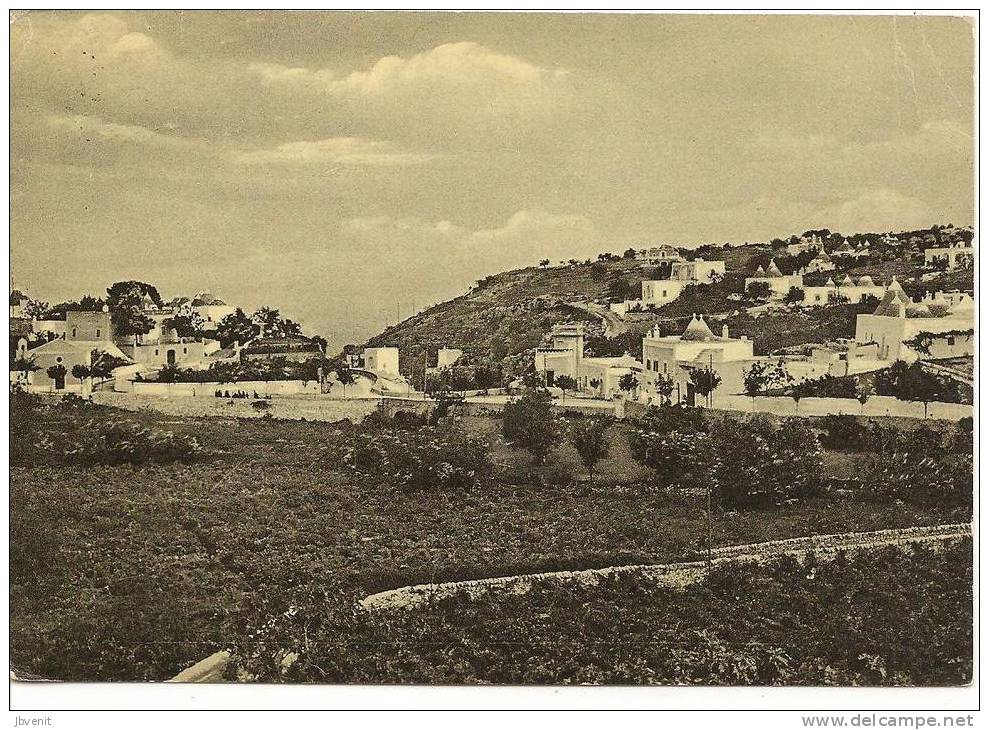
[963, 442]
[755, 464]
[843, 433]
[678, 417]
[679, 458]
[922, 479]
[124, 442]
[423, 460]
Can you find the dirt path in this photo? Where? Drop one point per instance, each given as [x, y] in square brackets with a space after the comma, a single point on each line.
[675, 574]
[613, 324]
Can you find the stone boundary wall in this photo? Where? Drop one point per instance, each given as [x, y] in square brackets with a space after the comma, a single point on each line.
[877, 405]
[310, 408]
[674, 575]
[208, 390]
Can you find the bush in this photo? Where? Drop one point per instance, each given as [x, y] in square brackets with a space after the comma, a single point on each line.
[679, 458]
[423, 460]
[755, 464]
[119, 441]
[668, 418]
[922, 479]
[843, 433]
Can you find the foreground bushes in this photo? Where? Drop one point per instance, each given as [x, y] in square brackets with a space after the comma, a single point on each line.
[73, 431]
[851, 434]
[889, 617]
[119, 441]
[419, 460]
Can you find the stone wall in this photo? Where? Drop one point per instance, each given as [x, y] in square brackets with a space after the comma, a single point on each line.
[877, 405]
[310, 408]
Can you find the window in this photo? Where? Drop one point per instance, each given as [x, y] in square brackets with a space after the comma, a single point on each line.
[97, 333]
[951, 339]
[185, 350]
[156, 352]
[73, 331]
[58, 359]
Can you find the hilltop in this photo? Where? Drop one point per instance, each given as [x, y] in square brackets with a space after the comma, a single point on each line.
[503, 317]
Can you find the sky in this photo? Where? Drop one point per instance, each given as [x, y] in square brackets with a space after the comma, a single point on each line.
[347, 167]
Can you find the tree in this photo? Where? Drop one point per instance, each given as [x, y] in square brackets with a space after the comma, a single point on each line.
[125, 293]
[186, 325]
[664, 387]
[125, 300]
[913, 383]
[565, 383]
[759, 290]
[485, 376]
[131, 322]
[528, 422]
[543, 263]
[589, 439]
[764, 375]
[704, 381]
[629, 253]
[37, 309]
[236, 327]
[80, 372]
[103, 364]
[25, 366]
[320, 342]
[345, 377]
[57, 374]
[794, 296]
[628, 382]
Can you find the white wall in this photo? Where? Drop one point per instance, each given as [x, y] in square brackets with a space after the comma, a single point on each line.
[208, 390]
[877, 405]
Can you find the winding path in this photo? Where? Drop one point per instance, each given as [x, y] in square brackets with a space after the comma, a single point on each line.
[613, 324]
[673, 575]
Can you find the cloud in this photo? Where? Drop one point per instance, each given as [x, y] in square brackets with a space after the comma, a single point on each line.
[335, 151]
[462, 91]
[465, 65]
[89, 127]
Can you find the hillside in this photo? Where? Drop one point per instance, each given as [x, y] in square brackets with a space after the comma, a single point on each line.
[505, 316]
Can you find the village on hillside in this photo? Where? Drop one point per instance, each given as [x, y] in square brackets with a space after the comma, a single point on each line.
[694, 401]
[766, 400]
[134, 343]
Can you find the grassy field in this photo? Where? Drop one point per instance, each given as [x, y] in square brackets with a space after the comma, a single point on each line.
[121, 572]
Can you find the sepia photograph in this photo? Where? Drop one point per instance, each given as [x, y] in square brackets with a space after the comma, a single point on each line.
[502, 349]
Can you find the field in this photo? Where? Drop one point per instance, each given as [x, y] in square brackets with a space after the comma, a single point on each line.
[128, 573]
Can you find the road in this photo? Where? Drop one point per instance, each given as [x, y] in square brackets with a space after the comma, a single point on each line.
[613, 324]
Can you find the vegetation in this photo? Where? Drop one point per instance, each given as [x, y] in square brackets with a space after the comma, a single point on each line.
[276, 368]
[890, 618]
[529, 422]
[912, 382]
[268, 540]
[588, 438]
